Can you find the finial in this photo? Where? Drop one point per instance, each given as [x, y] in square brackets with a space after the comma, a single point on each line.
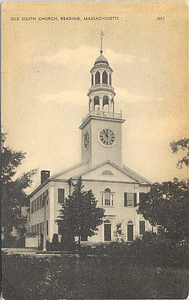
[102, 34]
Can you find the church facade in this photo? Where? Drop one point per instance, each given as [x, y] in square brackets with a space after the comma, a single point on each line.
[116, 187]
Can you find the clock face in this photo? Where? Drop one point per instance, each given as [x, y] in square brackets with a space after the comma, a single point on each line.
[86, 140]
[107, 137]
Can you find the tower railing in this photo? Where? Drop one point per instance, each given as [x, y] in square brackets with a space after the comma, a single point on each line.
[103, 114]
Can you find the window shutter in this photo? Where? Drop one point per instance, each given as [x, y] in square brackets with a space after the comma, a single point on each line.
[60, 196]
[135, 199]
[125, 199]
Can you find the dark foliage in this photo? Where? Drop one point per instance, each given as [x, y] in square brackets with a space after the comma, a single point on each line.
[167, 205]
[95, 277]
[79, 215]
[13, 191]
[182, 144]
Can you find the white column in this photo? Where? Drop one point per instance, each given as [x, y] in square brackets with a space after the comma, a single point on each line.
[101, 103]
[92, 103]
[101, 78]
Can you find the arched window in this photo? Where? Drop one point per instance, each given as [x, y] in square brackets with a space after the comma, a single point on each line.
[105, 100]
[107, 172]
[91, 79]
[105, 104]
[97, 78]
[105, 77]
[110, 79]
[96, 102]
[107, 197]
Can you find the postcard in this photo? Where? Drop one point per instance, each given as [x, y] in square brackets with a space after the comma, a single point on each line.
[95, 108]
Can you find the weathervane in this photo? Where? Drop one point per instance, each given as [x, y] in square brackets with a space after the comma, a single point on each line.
[102, 34]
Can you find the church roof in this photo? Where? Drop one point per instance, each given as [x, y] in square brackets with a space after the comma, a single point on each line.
[82, 169]
[78, 171]
[101, 59]
[125, 170]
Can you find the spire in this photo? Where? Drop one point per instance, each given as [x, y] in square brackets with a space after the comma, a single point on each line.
[101, 34]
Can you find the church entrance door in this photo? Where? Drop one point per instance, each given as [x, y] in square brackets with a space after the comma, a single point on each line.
[107, 232]
[130, 232]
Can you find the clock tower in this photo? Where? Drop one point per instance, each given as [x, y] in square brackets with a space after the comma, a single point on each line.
[102, 127]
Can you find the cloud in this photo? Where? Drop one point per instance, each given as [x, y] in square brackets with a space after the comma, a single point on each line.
[125, 96]
[79, 97]
[74, 97]
[82, 56]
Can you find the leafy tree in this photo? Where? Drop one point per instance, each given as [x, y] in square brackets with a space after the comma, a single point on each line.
[80, 216]
[182, 144]
[167, 205]
[13, 190]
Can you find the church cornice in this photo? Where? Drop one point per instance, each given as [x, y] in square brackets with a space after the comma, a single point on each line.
[116, 118]
[101, 66]
[101, 88]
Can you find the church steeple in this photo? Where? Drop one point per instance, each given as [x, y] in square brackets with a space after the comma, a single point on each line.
[101, 128]
[101, 93]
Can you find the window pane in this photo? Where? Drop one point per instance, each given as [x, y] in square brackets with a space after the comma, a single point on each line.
[37, 203]
[107, 197]
[104, 77]
[130, 199]
[97, 78]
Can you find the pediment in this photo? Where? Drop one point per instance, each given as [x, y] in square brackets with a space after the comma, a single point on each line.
[108, 172]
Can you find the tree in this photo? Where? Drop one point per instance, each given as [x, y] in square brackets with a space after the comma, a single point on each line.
[182, 144]
[13, 190]
[167, 205]
[80, 216]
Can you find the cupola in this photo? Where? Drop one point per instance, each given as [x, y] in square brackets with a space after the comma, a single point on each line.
[101, 93]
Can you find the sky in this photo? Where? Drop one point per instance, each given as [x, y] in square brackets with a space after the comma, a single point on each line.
[46, 76]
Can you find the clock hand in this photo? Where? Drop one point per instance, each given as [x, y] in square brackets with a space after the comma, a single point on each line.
[106, 134]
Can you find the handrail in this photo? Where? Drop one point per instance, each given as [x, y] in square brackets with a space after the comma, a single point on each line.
[104, 114]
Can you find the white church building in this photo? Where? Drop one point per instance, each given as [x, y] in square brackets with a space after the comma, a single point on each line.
[116, 187]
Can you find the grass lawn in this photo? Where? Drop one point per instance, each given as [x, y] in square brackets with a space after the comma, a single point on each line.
[26, 277]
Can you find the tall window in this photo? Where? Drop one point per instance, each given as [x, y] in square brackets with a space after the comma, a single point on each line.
[40, 202]
[47, 228]
[105, 100]
[31, 207]
[107, 197]
[110, 79]
[104, 77]
[142, 227]
[34, 205]
[37, 203]
[60, 196]
[91, 79]
[130, 199]
[97, 78]
[96, 101]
